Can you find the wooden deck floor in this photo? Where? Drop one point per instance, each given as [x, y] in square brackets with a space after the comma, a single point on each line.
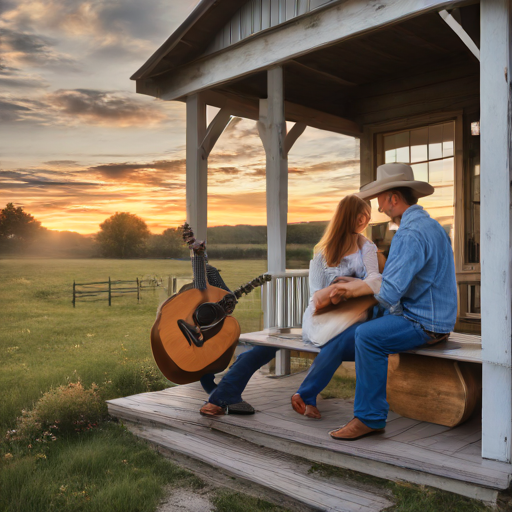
[408, 450]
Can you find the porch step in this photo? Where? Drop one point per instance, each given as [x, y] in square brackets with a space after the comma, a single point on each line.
[409, 450]
[281, 473]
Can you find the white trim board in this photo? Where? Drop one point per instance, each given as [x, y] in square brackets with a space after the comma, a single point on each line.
[312, 32]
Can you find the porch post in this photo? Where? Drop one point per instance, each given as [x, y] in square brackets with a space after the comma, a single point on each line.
[496, 228]
[197, 166]
[272, 127]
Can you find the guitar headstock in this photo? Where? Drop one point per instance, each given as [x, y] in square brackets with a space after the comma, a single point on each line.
[198, 246]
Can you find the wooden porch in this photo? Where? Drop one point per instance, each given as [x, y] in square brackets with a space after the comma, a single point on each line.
[409, 450]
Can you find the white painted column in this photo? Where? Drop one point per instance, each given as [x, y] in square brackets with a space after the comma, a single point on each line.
[272, 130]
[272, 127]
[197, 166]
[496, 228]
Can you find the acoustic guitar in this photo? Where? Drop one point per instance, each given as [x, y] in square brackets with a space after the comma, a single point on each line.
[194, 332]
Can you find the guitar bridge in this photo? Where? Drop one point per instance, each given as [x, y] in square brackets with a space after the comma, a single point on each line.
[192, 333]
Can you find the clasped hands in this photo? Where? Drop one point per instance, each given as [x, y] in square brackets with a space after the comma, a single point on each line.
[341, 289]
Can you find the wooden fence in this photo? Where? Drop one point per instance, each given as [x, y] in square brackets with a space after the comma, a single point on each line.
[104, 290]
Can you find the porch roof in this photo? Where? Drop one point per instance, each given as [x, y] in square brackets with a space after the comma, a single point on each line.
[346, 78]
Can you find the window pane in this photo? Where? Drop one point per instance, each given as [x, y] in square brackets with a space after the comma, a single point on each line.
[390, 156]
[447, 149]
[435, 141]
[402, 155]
[441, 172]
[419, 142]
[420, 171]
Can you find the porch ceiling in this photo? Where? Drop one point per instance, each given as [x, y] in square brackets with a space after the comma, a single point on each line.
[341, 79]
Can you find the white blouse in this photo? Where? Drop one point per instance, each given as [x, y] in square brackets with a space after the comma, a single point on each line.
[362, 264]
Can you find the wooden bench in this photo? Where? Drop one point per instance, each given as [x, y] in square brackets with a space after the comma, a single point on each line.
[438, 383]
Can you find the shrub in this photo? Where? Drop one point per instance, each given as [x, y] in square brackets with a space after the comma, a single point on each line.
[133, 378]
[63, 410]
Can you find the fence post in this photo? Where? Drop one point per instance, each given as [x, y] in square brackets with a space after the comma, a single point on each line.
[109, 292]
[138, 289]
[74, 286]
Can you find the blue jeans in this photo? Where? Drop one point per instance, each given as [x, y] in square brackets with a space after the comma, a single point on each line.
[229, 390]
[375, 340]
[333, 353]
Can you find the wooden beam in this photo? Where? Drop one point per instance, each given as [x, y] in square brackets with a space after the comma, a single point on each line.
[463, 35]
[292, 136]
[319, 72]
[248, 107]
[317, 30]
[219, 123]
[496, 228]
[197, 166]
[321, 120]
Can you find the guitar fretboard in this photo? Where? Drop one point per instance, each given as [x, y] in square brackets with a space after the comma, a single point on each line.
[199, 269]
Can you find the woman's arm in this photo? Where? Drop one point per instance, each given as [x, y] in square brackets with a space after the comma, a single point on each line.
[358, 288]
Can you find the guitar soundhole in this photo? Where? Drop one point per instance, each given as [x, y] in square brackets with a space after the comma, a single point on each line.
[206, 314]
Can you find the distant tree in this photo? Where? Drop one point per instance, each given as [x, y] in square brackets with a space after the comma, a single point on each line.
[17, 228]
[167, 245]
[123, 235]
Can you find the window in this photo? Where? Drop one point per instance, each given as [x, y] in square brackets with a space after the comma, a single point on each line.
[430, 152]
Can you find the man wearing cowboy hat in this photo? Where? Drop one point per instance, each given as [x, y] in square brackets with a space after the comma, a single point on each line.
[418, 291]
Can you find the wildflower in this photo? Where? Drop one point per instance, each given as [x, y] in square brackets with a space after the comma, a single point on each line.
[8, 456]
[125, 461]
[54, 438]
[30, 447]
[63, 488]
[40, 456]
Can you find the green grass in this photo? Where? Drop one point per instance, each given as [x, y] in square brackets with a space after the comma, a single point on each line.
[407, 497]
[340, 387]
[226, 501]
[105, 470]
[44, 342]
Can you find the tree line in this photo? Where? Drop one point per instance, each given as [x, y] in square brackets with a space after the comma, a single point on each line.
[125, 235]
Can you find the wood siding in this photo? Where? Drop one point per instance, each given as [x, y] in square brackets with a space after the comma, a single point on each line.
[258, 15]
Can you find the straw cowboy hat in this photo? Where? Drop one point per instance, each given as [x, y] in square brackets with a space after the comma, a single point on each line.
[391, 176]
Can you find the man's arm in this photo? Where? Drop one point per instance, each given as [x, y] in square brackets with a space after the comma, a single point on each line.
[406, 258]
[348, 290]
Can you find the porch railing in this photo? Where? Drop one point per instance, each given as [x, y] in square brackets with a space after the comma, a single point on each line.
[284, 300]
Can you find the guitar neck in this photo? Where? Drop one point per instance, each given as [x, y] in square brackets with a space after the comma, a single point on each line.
[199, 269]
[249, 287]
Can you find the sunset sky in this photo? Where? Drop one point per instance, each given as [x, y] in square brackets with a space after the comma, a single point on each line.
[78, 144]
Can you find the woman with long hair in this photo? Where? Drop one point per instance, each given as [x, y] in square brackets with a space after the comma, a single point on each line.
[343, 255]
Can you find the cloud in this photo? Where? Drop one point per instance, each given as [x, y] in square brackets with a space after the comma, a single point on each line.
[10, 112]
[34, 50]
[89, 106]
[110, 108]
[157, 172]
[62, 163]
[121, 28]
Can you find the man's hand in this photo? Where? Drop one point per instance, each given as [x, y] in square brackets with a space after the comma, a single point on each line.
[344, 291]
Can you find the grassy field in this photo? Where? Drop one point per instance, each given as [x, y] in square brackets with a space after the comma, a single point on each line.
[46, 344]
[44, 341]
[47, 347]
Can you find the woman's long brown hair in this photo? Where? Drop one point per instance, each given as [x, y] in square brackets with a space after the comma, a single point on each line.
[340, 235]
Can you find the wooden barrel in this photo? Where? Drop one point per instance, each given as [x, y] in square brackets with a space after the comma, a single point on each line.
[432, 389]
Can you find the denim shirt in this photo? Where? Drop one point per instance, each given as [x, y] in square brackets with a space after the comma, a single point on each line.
[419, 277]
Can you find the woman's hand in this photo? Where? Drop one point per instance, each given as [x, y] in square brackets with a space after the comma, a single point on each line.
[322, 298]
[341, 291]
[345, 291]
